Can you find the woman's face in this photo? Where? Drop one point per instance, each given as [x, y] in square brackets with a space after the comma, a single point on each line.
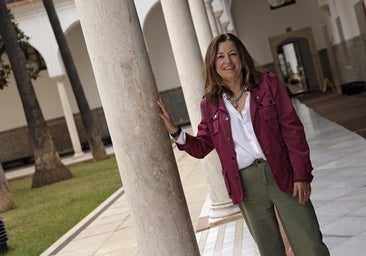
[227, 63]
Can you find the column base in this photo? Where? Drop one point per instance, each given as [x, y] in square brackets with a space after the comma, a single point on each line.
[78, 155]
[223, 213]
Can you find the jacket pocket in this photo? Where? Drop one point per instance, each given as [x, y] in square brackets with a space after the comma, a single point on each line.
[215, 124]
[269, 112]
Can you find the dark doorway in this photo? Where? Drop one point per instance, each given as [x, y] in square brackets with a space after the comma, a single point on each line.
[296, 65]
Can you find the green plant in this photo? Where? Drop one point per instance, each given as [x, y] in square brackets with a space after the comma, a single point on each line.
[23, 43]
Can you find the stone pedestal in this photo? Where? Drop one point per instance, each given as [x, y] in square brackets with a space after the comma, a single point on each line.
[221, 206]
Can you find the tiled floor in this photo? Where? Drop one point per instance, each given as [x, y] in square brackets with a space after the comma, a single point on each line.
[232, 238]
[339, 197]
[346, 110]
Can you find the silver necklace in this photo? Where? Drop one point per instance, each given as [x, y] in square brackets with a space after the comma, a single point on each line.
[234, 100]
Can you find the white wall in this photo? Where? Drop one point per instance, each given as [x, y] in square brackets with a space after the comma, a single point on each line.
[45, 87]
[81, 59]
[345, 11]
[255, 23]
[160, 51]
[11, 110]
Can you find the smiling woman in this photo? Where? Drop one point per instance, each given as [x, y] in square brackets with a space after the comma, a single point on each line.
[248, 118]
[228, 65]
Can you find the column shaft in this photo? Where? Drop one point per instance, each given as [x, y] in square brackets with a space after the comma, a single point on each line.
[227, 11]
[218, 22]
[142, 146]
[211, 17]
[201, 24]
[187, 55]
[189, 65]
[70, 122]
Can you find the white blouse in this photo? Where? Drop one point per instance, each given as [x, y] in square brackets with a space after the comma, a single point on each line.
[246, 144]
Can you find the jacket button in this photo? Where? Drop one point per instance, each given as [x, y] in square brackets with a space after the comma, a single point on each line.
[227, 118]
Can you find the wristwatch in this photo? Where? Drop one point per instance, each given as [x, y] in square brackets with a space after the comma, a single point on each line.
[177, 133]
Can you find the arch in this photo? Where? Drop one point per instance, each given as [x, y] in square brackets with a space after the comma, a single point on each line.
[71, 26]
[79, 52]
[143, 8]
[163, 64]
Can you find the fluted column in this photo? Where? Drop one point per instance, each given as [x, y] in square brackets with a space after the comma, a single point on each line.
[142, 146]
[189, 65]
[211, 17]
[201, 24]
[70, 121]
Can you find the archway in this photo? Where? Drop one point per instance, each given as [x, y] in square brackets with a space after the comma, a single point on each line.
[297, 61]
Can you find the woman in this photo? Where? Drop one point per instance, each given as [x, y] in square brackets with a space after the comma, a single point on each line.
[248, 118]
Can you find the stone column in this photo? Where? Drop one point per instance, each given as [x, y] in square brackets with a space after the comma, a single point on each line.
[201, 24]
[227, 11]
[142, 146]
[70, 122]
[217, 15]
[188, 61]
[187, 55]
[211, 17]
[225, 26]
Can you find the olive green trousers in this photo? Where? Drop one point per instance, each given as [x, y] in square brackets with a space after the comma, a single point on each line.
[261, 197]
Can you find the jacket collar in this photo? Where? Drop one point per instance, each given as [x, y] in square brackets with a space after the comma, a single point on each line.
[221, 104]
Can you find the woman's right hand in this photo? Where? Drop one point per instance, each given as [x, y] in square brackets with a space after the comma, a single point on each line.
[169, 124]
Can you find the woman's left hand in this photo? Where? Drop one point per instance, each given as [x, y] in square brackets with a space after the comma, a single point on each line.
[303, 190]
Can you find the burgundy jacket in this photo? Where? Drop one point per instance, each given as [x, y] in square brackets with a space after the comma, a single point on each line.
[277, 127]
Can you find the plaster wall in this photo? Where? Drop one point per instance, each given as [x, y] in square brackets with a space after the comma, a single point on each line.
[255, 22]
[45, 86]
[33, 20]
[346, 13]
[160, 51]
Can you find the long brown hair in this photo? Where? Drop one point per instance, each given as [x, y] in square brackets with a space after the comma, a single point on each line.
[214, 84]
